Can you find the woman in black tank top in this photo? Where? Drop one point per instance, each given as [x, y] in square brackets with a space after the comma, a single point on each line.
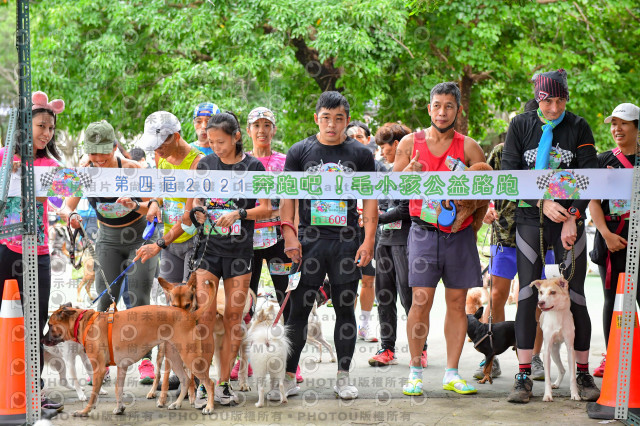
[122, 222]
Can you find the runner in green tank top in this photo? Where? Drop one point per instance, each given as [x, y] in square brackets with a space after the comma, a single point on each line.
[172, 152]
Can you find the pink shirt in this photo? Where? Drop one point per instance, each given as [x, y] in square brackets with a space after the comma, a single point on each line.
[13, 214]
[273, 162]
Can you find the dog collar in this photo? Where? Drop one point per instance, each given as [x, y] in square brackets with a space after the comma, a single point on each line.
[76, 325]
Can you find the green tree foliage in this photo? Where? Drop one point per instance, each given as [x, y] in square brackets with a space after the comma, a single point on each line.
[124, 60]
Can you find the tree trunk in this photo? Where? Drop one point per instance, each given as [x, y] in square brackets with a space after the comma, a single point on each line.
[469, 78]
[466, 84]
[324, 73]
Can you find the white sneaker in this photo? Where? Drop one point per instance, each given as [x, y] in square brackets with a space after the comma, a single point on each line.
[365, 333]
[343, 389]
[224, 394]
[290, 388]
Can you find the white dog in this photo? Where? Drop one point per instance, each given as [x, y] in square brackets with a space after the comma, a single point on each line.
[556, 322]
[269, 349]
[315, 336]
[62, 358]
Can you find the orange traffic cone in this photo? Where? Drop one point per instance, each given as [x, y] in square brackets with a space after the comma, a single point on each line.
[605, 407]
[13, 399]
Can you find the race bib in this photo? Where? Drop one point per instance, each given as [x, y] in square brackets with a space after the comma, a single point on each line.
[394, 225]
[264, 237]
[619, 207]
[215, 214]
[172, 211]
[112, 210]
[329, 213]
[280, 268]
[13, 215]
[428, 212]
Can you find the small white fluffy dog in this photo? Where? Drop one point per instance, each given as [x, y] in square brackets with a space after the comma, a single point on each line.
[62, 359]
[269, 349]
[556, 322]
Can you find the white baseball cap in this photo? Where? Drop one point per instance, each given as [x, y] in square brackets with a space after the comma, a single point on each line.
[627, 112]
[157, 128]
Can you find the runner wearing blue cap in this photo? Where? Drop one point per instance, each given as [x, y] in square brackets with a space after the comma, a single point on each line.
[201, 116]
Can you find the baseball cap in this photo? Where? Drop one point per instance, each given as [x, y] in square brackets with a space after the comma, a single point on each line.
[260, 112]
[206, 109]
[626, 111]
[157, 128]
[99, 138]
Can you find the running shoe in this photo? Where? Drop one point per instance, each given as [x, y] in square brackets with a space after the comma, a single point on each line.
[383, 357]
[147, 373]
[599, 371]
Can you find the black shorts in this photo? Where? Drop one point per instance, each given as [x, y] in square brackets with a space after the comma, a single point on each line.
[334, 258]
[226, 267]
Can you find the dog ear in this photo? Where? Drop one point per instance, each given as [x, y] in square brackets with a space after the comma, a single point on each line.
[193, 281]
[563, 284]
[66, 305]
[536, 284]
[166, 285]
[479, 312]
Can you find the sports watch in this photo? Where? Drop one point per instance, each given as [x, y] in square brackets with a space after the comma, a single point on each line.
[161, 243]
[573, 211]
[242, 213]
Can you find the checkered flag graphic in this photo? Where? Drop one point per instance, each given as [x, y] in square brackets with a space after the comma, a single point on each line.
[582, 182]
[530, 156]
[566, 157]
[48, 178]
[543, 181]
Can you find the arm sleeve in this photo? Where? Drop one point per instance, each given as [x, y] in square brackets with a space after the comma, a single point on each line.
[587, 158]
[514, 150]
[399, 213]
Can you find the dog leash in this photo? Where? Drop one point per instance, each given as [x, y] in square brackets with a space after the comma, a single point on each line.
[192, 264]
[562, 266]
[286, 298]
[83, 234]
[490, 331]
[147, 234]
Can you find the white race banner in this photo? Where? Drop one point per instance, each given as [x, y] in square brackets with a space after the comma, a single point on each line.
[506, 184]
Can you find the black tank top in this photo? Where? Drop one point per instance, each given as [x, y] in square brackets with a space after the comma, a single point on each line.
[111, 213]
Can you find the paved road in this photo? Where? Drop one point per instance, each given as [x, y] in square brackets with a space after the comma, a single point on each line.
[381, 400]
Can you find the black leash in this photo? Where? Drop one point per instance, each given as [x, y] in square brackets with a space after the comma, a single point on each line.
[193, 265]
[490, 331]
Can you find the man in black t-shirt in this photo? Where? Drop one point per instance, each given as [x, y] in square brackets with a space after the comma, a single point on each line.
[326, 240]
[551, 138]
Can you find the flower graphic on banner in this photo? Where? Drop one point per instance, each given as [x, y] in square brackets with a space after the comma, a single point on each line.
[562, 185]
[65, 182]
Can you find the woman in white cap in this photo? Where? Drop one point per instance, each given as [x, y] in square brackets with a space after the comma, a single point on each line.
[121, 228]
[611, 217]
[45, 153]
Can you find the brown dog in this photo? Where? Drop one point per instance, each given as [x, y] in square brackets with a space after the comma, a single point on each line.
[134, 332]
[466, 208]
[88, 272]
[183, 297]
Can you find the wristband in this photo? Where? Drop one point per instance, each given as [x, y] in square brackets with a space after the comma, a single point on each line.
[191, 229]
[290, 225]
[153, 200]
[137, 207]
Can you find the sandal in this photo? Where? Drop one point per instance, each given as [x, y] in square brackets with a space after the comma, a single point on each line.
[466, 389]
[413, 387]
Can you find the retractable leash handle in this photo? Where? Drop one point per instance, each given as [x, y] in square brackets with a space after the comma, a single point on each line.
[150, 229]
[447, 215]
